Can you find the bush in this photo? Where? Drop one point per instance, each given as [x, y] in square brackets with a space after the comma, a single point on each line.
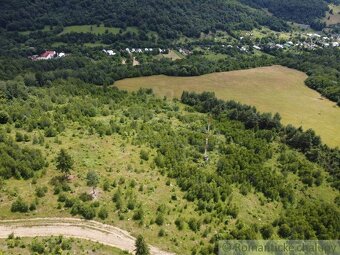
[37, 247]
[19, 206]
[179, 223]
[19, 137]
[85, 197]
[41, 191]
[88, 212]
[103, 213]
[159, 219]
[161, 233]
[50, 132]
[267, 231]
[284, 231]
[4, 117]
[33, 207]
[144, 155]
[194, 224]
[139, 214]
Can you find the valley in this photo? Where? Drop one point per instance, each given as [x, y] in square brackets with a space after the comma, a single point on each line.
[167, 127]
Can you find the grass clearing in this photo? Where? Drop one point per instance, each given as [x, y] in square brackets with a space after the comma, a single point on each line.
[270, 89]
[332, 19]
[97, 29]
[173, 55]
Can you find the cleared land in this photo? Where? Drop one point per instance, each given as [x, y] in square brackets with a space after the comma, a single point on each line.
[270, 89]
[334, 18]
[97, 29]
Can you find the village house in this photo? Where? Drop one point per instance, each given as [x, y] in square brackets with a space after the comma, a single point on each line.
[109, 52]
[47, 55]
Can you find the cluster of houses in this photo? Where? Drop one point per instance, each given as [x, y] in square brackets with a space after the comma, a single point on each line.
[134, 50]
[306, 41]
[47, 55]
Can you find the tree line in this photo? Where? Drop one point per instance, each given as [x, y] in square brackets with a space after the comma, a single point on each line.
[305, 141]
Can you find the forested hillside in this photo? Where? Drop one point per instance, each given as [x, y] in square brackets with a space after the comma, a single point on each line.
[302, 11]
[168, 18]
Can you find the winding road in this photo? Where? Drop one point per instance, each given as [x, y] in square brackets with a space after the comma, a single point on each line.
[71, 227]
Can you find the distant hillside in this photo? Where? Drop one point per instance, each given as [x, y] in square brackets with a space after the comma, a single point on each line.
[301, 11]
[169, 18]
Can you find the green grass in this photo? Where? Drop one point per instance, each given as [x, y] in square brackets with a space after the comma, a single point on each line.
[91, 29]
[334, 18]
[215, 56]
[270, 89]
[97, 30]
[22, 246]
[173, 54]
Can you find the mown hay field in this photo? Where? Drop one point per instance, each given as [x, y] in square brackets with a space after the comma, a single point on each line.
[270, 89]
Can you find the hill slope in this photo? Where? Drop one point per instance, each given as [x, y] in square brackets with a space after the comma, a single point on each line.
[302, 11]
[168, 18]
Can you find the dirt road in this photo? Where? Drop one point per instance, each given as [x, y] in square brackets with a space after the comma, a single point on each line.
[77, 228]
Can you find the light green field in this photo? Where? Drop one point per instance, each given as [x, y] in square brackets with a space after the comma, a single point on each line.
[270, 89]
[334, 18]
[96, 30]
[173, 55]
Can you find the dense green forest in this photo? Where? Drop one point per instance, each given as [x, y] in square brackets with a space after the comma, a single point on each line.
[169, 19]
[302, 11]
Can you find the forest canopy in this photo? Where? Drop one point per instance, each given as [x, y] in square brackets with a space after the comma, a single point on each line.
[168, 18]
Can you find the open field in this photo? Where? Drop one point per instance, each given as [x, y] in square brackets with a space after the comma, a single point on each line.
[270, 89]
[96, 30]
[173, 54]
[334, 18]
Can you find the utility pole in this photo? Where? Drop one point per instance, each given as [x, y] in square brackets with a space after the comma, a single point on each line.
[206, 156]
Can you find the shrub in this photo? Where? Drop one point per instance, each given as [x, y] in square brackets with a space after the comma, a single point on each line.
[159, 219]
[85, 197]
[144, 155]
[179, 223]
[19, 206]
[284, 231]
[139, 214]
[267, 231]
[4, 117]
[103, 213]
[33, 207]
[50, 132]
[41, 191]
[37, 247]
[88, 212]
[19, 137]
[161, 233]
[194, 224]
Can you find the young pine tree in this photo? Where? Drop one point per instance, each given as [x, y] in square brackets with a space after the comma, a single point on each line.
[141, 246]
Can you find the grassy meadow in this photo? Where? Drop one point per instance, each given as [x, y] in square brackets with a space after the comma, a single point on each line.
[270, 89]
[334, 18]
[97, 29]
